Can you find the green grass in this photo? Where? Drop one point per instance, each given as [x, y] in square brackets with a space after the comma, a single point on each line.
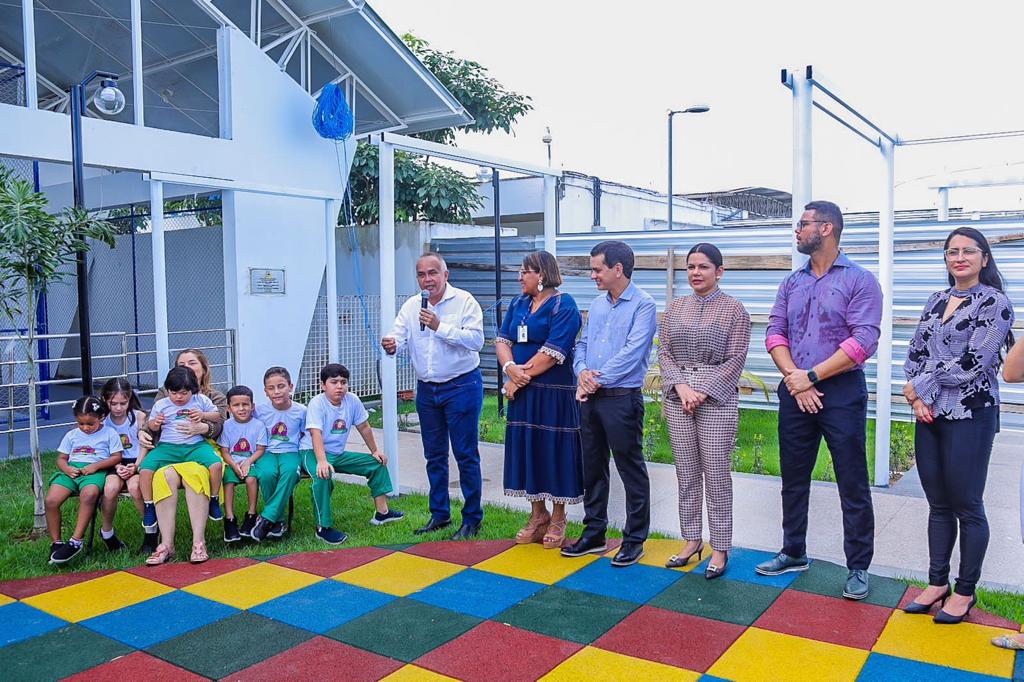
[353, 507]
[1007, 605]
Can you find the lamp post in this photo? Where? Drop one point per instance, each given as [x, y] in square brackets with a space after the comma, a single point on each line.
[547, 141]
[695, 109]
[110, 101]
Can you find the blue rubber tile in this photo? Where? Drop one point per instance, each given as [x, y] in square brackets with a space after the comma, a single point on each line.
[883, 668]
[323, 606]
[1018, 666]
[741, 567]
[20, 622]
[637, 583]
[711, 678]
[156, 620]
[477, 593]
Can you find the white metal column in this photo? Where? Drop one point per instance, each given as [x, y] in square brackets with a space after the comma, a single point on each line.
[388, 364]
[802, 143]
[550, 212]
[28, 28]
[943, 204]
[156, 221]
[883, 385]
[331, 279]
[137, 96]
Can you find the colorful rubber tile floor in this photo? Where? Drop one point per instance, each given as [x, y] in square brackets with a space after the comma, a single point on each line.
[479, 611]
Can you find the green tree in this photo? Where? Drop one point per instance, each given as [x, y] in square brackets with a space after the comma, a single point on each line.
[34, 248]
[431, 191]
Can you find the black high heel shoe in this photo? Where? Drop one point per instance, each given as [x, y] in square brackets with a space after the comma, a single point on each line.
[712, 571]
[943, 618]
[676, 561]
[916, 608]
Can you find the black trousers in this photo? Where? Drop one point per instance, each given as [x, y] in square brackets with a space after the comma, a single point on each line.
[615, 423]
[843, 423]
[952, 460]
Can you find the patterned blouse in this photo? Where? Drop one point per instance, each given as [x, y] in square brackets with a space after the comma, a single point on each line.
[953, 364]
[703, 343]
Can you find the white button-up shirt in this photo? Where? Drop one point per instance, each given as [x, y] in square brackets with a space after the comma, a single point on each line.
[454, 348]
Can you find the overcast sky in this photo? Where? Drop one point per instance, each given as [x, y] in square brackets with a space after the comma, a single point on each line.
[603, 74]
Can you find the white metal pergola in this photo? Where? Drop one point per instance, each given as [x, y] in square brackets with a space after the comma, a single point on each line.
[387, 144]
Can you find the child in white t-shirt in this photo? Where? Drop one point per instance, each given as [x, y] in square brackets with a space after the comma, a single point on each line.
[242, 443]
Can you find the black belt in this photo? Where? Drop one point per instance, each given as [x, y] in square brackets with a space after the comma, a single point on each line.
[613, 392]
[442, 383]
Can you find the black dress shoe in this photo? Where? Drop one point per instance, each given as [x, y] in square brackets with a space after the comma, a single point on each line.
[628, 555]
[585, 546]
[466, 531]
[432, 525]
[712, 571]
[943, 618]
[917, 608]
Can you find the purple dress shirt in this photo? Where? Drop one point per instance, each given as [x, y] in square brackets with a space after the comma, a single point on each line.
[815, 316]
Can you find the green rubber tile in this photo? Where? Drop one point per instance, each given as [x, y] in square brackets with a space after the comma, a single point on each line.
[828, 579]
[579, 617]
[58, 654]
[229, 645]
[732, 601]
[404, 629]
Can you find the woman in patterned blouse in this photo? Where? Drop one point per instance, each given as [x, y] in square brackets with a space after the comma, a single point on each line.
[703, 343]
[953, 388]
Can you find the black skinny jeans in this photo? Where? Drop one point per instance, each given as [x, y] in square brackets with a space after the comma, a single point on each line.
[952, 460]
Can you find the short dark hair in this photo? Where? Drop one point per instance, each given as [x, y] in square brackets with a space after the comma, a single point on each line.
[236, 391]
[709, 250]
[828, 212]
[332, 370]
[615, 252]
[277, 371]
[181, 378]
[546, 264]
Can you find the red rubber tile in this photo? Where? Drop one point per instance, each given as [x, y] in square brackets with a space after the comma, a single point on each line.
[977, 615]
[672, 638]
[464, 553]
[320, 658]
[494, 651]
[330, 562]
[30, 587]
[182, 574]
[132, 667]
[826, 619]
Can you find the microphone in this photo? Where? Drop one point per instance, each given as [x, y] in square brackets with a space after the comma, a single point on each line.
[424, 295]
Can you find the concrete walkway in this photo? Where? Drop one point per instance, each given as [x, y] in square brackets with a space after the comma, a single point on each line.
[901, 516]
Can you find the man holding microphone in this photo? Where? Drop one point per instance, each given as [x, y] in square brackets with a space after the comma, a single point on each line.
[444, 331]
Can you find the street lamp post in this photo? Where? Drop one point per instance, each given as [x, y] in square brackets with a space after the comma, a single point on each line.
[695, 109]
[547, 140]
[110, 101]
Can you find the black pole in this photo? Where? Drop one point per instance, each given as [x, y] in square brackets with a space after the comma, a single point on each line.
[81, 270]
[496, 186]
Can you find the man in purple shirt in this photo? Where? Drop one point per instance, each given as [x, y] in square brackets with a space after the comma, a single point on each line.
[822, 329]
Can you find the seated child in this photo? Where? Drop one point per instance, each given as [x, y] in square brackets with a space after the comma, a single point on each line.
[278, 469]
[242, 443]
[125, 416]
[329, 417]
[170, 417]
[83, 458]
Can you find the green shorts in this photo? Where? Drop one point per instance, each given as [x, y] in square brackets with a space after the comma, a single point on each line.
[76, 485]
[231, 477]
[165, 454]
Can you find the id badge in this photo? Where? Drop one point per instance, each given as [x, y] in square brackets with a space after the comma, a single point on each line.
[522, 334]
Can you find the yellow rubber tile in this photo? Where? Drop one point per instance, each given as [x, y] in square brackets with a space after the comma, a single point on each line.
[97, 596]
[414, 673]
[399, 574]
[252, 585]
[533, 562]
[764, 655]
[598, 665]
[657, 552]
[5, 600]
[965, 646]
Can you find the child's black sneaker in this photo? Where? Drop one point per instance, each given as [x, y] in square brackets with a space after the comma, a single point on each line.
[389, 517]
[215, 512]
[332, 536]
[66, 552]
[54, 547]
[149, 543]
[260, 529]
[247, 523]
[149, 518]
[231, 533]
[114, 543]
[277, 530]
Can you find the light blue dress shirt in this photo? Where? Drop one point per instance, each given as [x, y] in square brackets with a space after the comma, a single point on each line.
[617, 338]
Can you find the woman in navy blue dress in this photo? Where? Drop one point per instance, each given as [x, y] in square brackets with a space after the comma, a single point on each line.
[543, 459]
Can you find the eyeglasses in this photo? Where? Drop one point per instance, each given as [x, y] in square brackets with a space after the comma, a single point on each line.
[967, 251]
[523, 273]
[804, 223]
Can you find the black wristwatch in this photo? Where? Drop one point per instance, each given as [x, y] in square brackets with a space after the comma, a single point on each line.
[813, 376]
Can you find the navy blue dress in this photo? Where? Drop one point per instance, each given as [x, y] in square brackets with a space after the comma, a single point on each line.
[543, 451]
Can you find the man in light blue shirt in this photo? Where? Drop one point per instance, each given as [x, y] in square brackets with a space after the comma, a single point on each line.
[611, 360]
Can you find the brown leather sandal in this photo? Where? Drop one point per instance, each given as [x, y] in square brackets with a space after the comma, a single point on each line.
[555, 537]
[533, 531]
